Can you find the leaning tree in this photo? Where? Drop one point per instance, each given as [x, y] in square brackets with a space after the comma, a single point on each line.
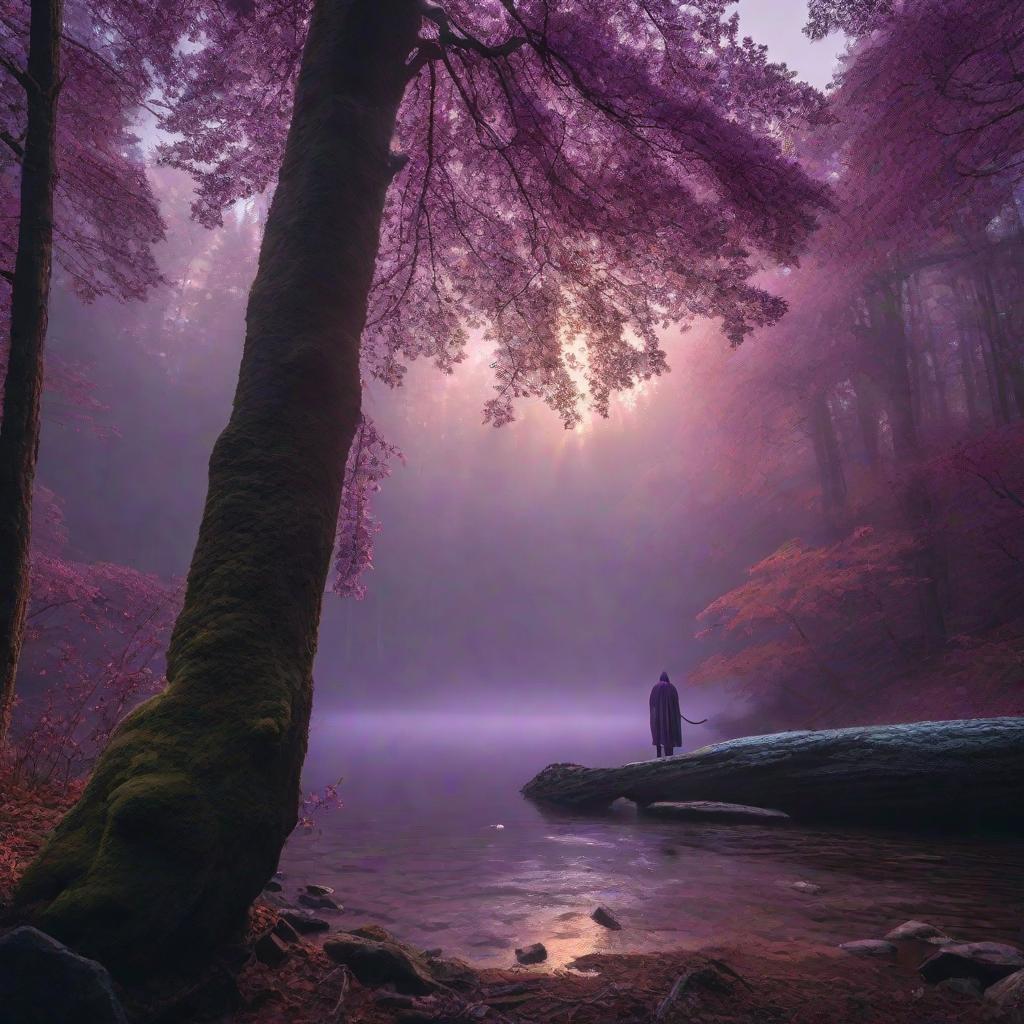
[561, 179]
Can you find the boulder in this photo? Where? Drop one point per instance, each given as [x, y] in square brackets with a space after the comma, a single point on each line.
[319, 890]
[373, 931]
[711, 810]
[454, 973]
[44, 982]
[869, 947]
[919, 931]
[988, 962]
[606, 919]
[305, 923]
[270, 950]
[1007, 996]
[284, 931]
[381, 963]
[318, 902]
[535, 954]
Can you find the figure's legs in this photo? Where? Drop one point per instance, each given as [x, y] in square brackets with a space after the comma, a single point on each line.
[657, 747]
[668, 751]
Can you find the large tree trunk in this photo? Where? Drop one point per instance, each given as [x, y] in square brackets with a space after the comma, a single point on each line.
[954, 774]
[30, 295]
[188, 808]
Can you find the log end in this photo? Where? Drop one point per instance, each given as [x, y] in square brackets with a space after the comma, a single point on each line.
[565, 784]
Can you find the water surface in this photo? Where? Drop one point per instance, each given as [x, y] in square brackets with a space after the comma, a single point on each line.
[417, 849]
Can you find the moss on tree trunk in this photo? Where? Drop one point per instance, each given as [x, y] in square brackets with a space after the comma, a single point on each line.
[187, 810]
[30, 295]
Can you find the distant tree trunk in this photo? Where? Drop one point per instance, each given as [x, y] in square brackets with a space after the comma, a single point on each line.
[965, 351]
[867, 417]
[891, 337]
[30, 294]
[890, 332]
[938, 388]
[931, 381]
[830, 466]
[1006, 362]
[185, 815]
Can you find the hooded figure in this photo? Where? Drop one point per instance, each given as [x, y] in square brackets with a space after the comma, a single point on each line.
[666, 730]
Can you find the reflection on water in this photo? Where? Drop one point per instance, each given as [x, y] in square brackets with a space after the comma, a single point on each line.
[416, 848]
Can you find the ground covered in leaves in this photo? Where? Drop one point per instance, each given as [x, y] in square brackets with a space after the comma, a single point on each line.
[27, 816]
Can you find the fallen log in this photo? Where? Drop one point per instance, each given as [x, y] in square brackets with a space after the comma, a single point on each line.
[962, 774]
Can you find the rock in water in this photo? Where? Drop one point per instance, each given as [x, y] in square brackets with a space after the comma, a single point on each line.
[606, 919]
[44, 982]
[381, 963]
[987, 962]
[869, 947]
[711, 810]
[809, 888]
[918, 930]
[305, 923]
[1008, 997]
[318, 902]
[535, 954]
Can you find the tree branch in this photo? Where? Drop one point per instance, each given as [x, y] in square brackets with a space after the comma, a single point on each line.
[461, 40]
[13, 144]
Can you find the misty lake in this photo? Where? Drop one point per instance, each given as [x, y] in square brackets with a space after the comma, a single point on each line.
[416, 848]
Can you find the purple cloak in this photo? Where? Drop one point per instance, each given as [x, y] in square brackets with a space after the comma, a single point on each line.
[666, 730]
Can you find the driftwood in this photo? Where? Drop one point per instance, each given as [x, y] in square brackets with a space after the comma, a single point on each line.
[961, 774]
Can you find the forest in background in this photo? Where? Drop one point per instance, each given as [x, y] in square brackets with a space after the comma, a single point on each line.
[860, 461]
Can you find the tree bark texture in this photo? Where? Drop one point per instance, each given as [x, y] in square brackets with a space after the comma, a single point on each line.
[961, 774]
[185, 815]
[30, 295]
